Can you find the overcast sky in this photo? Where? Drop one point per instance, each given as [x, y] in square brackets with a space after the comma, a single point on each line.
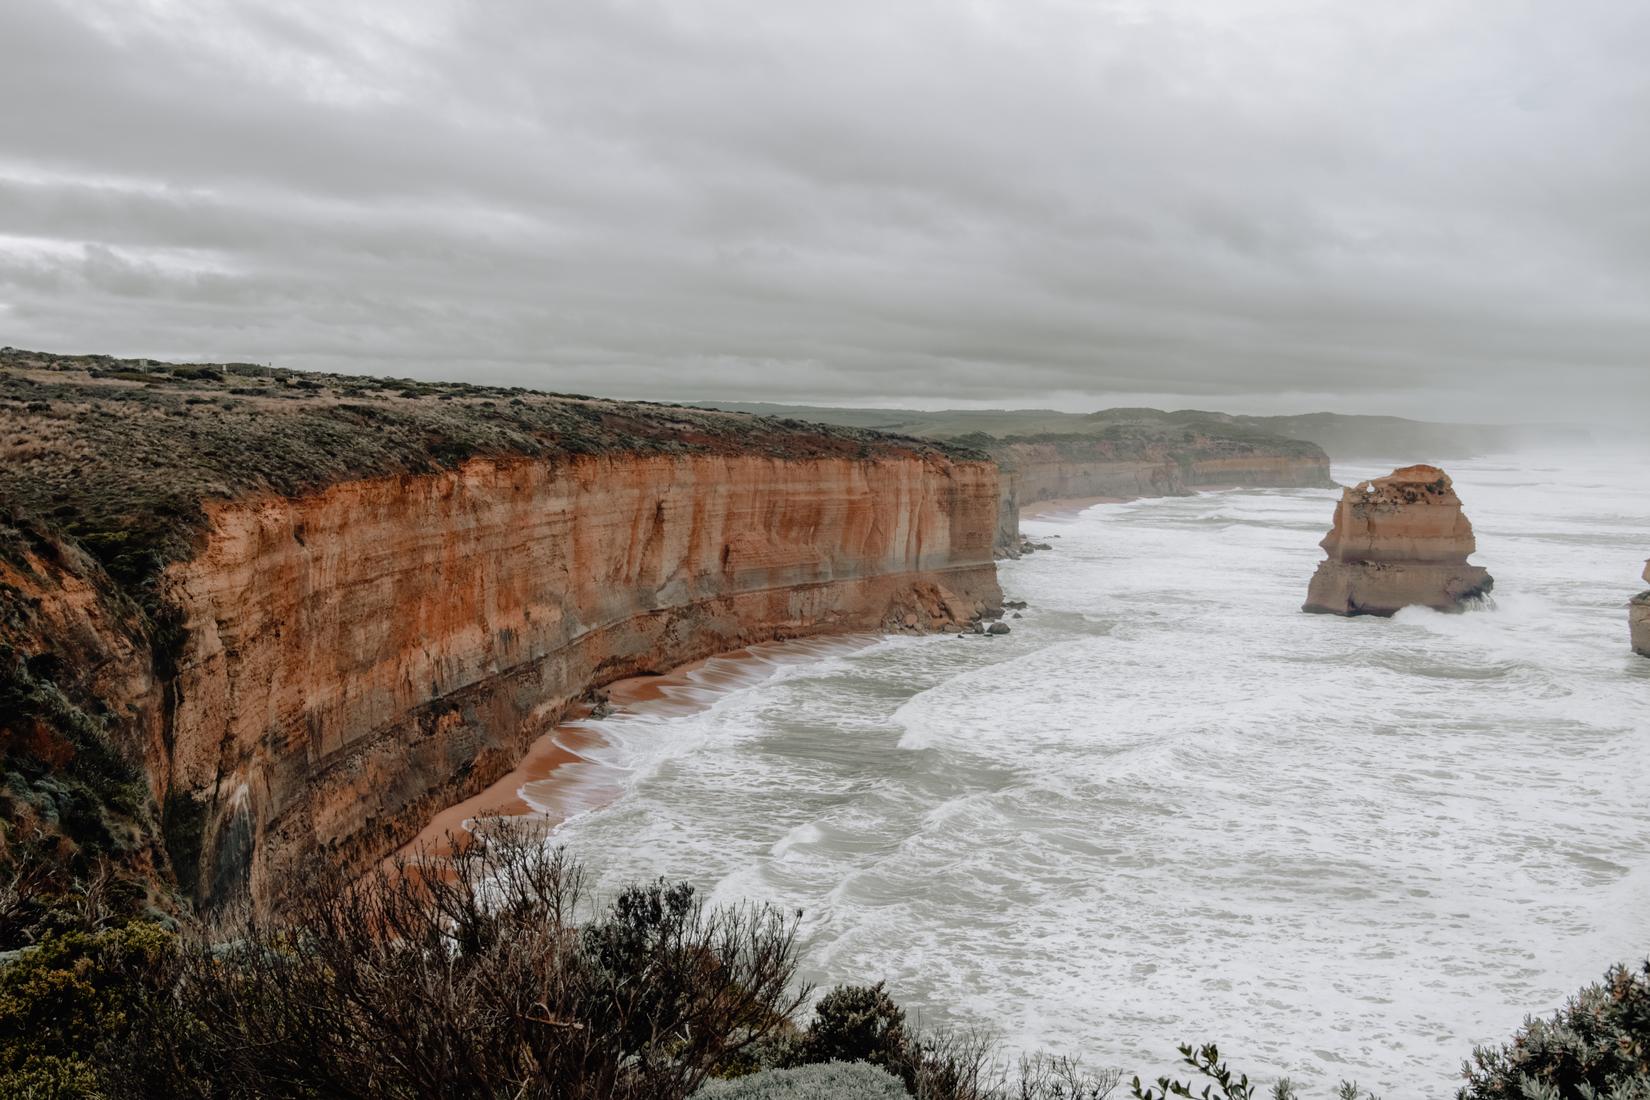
[1428, 207]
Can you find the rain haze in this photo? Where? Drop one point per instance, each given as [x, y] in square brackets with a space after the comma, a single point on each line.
[1045, 644]
[1432, 209]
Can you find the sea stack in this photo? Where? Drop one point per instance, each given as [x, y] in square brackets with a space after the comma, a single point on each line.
[1638, 614]
[1397, 541]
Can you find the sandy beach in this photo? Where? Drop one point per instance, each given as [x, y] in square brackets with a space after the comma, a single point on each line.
[1067, 507]
[562, 773]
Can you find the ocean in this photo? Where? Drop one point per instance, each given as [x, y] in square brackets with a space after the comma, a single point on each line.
[1170, 807]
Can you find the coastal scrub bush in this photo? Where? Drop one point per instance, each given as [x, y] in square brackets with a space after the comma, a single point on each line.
[68, 1004]
[1225, 1084]
[1596, 1047]
[490, 977]
[863, 1024]
[858, 1024]
[971, 1066]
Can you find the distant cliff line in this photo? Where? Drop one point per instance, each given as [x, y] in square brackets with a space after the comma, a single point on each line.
[1345, 437]
[1143, 462]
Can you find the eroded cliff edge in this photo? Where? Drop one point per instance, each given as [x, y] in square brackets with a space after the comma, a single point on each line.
[341, 645]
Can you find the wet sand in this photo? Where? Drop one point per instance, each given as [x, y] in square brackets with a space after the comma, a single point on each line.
[562, 774]
[1067, 507]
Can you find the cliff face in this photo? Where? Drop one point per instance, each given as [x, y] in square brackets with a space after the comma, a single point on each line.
[363, 657]
[1638, 613]
[1261, 471]
[1134, 452]
[1074, 467]
[1398, 541]
[299, 615]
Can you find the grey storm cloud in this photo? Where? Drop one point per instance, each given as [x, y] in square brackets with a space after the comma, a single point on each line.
[1413, 207]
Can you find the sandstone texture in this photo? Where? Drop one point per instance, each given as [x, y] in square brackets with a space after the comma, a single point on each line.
[1638, 613]
[310, 611]
[1123, 453]
[361, 658]
[1398, 541]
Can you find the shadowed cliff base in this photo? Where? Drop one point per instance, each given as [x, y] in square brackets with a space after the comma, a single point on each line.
[303, 613]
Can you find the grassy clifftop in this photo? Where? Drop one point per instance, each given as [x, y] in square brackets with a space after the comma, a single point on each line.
[1148, 434]
[1126, 433]
[116, 455]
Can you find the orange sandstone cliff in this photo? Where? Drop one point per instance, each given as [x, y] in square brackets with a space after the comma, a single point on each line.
[1122, 453]
[360, 658]
[347, 639]
[1398, 541]
[1638, 614]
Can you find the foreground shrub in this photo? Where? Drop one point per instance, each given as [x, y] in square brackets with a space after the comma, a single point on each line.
[67, 1005]
[830, 1081]
[494, 977]
[863, 1024]
[970, 1066]
[484, 983]
[859, 1024]
[1596, 1046]
[1225, 1084]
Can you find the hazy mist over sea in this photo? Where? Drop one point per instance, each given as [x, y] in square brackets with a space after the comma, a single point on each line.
[1171, 807]
[262, 550]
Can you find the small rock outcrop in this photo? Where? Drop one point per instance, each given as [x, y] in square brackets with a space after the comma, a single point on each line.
[1638, 614]
[1398, 541]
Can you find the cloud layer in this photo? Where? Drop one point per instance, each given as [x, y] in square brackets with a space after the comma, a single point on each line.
[1423, 207]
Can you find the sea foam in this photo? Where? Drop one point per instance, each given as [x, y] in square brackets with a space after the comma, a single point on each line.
[1170, 807]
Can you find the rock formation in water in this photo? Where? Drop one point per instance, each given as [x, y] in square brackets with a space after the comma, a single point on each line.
[1638, 613]
[1398, 541]
[314, 610]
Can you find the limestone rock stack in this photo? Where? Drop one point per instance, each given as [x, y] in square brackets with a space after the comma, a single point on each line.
[1398, 541]
[1638, 614]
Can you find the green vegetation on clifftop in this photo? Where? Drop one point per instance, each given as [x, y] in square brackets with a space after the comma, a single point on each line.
[119, 454]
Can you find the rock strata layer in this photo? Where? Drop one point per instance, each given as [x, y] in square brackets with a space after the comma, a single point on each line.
[361, 658]
[1638, 613]
[1065, 468]
[310, 611]
[1398, 541]
[351, 661]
